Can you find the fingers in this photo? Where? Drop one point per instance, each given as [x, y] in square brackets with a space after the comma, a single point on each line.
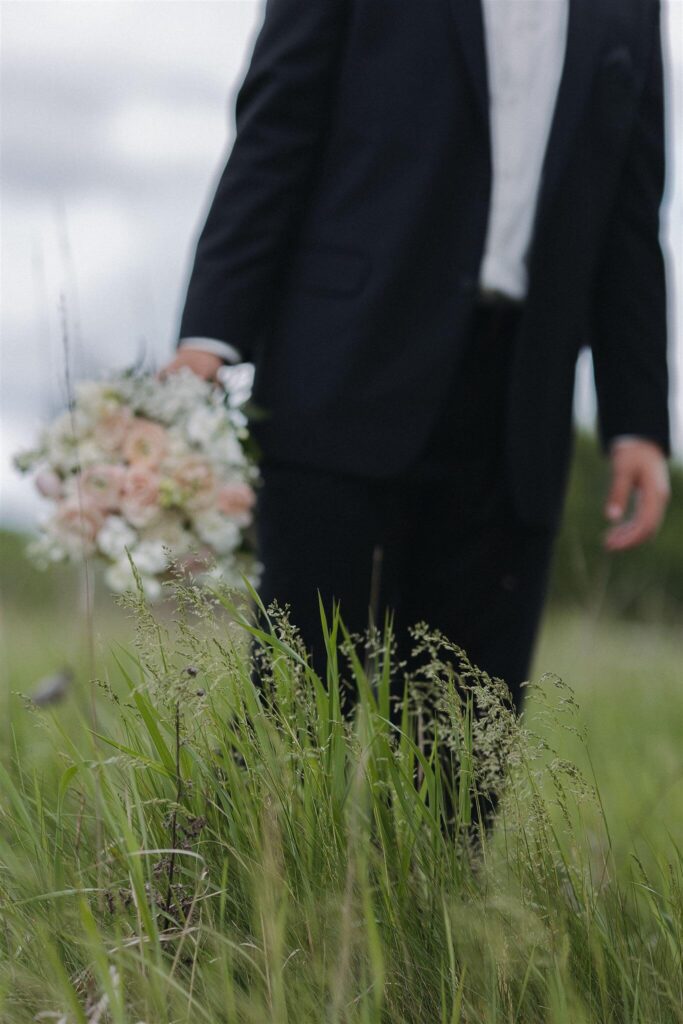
[171, 367]
[648, 480]
[620, 492]
[204, 364]
[641, 527]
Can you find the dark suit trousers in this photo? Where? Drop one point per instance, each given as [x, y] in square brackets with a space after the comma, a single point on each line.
[442, 543]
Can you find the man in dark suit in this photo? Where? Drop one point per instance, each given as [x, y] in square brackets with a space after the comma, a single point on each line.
[430, 207]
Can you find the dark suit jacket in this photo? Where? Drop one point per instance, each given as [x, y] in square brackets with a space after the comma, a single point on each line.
[342, 248]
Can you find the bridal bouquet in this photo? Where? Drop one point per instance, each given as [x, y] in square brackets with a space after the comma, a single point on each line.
[157, 468]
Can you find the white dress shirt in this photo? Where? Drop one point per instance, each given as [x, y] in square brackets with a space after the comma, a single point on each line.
[526, 41]
[525, 44]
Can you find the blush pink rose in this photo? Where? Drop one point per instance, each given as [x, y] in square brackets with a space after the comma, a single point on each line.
[140, 500]
[236, 500]
[76, 524]
[49, 483]
[103, 485]
[195, 480]
[111, 431]
[145, 443]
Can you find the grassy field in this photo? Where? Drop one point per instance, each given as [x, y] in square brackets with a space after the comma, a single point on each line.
[627, 679]
[205, 858]
[173, 850]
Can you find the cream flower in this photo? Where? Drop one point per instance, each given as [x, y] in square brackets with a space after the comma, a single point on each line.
[103, 485]
[111, 431]
[225, 448]
[115, 536]
[145, 443]
[170, 532]
[119, 577]
[95, 399]
[46, 549]
[66, 442]
[76, 524]
[69, 427]
[149, 557]
[221, 533]
[204, 423]
[236, 500]
[176, 396]
[178, 446]
[195, 480]
[140, 500]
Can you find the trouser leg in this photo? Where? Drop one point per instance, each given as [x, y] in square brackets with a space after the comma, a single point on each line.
[473, 568]
[326, 533]
[479, 580]
[483, 585]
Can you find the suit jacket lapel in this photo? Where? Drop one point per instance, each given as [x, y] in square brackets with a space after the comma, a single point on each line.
[469, 22]
[583, 40]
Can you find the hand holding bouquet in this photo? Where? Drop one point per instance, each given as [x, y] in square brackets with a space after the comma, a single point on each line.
[156, 468]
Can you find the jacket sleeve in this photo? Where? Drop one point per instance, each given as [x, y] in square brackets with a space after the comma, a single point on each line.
[630, 314]
[281, 112]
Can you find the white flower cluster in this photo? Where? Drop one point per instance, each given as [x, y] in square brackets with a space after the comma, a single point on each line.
[152, 468]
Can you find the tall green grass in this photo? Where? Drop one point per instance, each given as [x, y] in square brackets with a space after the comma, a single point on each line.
[215, 850]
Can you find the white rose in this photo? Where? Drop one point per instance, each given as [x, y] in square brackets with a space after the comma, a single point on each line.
[66, 444]
[220, 533]
[227, 449]
[70, 426]
[45, 550]
[95, 399]
[88, 453]
[149, 557]
[179, 394]
[171, 534]
[178, 447]
[119, 578]
[115, 536]
[204, 423]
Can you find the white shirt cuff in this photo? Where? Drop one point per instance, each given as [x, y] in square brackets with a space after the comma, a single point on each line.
[624, 439]
[222, 349]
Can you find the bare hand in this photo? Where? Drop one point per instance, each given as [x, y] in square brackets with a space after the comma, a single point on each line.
[204, 364]
[640, 468]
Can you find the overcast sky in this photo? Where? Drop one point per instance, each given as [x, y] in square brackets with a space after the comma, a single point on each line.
[116, 119]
